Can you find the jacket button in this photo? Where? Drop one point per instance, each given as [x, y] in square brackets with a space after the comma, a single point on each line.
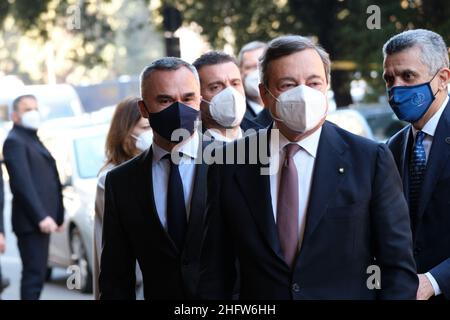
[185, 261]
[416, 251]
[295, 287]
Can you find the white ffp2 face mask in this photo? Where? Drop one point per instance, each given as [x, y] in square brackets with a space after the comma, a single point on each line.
[31, 119]
[251, 84]
[227, 107]
[144, 140]
[301, 108]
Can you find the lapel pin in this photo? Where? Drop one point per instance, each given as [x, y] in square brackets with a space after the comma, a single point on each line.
[447, 140]
[341, 170]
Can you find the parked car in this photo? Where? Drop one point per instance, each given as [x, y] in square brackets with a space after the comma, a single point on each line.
[351, 120]
[79, 154]
[55, 100]
[381, 119]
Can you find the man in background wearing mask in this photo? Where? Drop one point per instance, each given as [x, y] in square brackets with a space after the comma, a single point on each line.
[223, 98]
[154, 204]
[416, 71]
[256, 116]
[331, 209]
[37, 205]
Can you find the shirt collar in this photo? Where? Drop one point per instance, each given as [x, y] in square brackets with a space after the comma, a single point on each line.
[430, 127]
[310, 144]
[188, 148]
[256, 107]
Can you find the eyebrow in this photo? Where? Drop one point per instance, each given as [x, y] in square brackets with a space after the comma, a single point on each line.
[164, 96]
[402, 72]
[314, 76]
[409, 71]
[215, 82]
[287, 79]
[189, 95]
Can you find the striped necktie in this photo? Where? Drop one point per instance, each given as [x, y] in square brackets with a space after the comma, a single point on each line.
[416, 173]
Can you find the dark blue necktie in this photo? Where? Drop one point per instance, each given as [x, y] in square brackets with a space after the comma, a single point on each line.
[176, 208]
[416, 173]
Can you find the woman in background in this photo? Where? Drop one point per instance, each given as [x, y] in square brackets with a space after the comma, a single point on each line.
[128, 136]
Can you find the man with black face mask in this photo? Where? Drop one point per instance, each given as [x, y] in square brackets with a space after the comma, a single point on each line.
[154, 204]
[416, 71]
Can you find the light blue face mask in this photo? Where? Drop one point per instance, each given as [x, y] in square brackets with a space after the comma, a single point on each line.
[410, 103]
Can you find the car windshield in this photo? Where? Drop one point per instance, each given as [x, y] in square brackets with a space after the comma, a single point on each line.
[56, 107]
[89, 155]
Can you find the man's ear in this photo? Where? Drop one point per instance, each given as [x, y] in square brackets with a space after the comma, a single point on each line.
[142, 109]
[444, 76]
[264, 94]
[15, 117]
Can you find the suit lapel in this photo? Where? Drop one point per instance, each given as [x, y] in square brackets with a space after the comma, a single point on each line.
[34, 142]
[256, 190]
[439, 155]
[329, 170]
[198, 201]
[146, 198]
[405, 154]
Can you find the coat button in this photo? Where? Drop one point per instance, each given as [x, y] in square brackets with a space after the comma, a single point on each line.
[416, 251]
[295, 287]
[185, 261]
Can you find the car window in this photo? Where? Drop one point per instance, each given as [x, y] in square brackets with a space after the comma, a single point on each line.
[89, 155]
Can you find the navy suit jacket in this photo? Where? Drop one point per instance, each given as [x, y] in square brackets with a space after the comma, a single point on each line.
[431, 226]
[264, 119]
[356, 217]
[248, 122]
[34, 181]
[133, 231]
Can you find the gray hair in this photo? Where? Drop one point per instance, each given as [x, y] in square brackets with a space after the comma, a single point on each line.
[251, 46]
[432, 46]
[166, 63]
[287, 45]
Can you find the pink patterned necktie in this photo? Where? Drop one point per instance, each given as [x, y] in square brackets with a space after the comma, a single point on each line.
[287, 206]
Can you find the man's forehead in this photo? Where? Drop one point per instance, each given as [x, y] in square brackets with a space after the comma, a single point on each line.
[219, 71]
[409, 58]
[306, 62]
[28, 101]
[171, 79]
[255, 53]
[167, 75]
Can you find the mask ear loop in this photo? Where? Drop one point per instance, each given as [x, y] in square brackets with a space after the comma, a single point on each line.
[429, 83]
[206, 101]
[270, 111]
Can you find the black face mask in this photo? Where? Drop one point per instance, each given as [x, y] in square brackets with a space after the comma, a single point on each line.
[176, 116]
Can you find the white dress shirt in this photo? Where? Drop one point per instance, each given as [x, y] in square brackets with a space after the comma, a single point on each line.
[256, 107]
[429, 129]
[304, 160]
[161, 170]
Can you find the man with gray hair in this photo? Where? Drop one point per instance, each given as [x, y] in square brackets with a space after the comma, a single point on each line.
[154, 204]
[328, 222]
[416, 72]
[248, 59]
